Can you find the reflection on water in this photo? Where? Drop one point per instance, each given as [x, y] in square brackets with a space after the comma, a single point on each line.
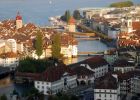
[75, 60]
[5, 82]
[7, 86]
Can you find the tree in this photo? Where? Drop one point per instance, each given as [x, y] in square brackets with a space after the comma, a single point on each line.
[3, 97]
[39, 44]
[66, 16]
[122, 4]
[73, 97]
[76, 15]
[56, 46]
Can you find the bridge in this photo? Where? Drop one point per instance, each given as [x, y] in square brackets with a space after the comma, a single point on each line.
[90, 31]
[4, 71]
[88, 38]
[82, 34]
[90, 53]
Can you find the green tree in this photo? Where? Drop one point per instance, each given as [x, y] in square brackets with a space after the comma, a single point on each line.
[39, 44]
[122, 4]
[56, 46]
[66, 16]
[3, 97]
[76, 15]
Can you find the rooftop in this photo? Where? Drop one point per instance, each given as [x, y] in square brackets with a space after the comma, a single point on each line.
[106, 82]
[96, 61]
[55, 73]
[122, 63]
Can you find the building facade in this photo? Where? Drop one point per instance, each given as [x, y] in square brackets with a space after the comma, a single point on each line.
[56, 79]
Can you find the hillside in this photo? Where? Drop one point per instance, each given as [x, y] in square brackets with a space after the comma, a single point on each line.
[122, 4]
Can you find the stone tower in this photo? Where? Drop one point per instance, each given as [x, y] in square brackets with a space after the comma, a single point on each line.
[72, 25]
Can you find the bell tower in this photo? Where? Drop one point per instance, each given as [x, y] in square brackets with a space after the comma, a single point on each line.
[18, 21]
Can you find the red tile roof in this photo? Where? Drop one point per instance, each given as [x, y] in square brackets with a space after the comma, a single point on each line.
[9, 55]
[128, 75]
[96, 61]
[106, 82]
[122, 63]
[136, 25]
[82, 71]
[55, 73]
[18, 17]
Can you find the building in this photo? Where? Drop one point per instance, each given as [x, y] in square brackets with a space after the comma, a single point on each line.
[133, 25]
[9, 59]
[12, 44]
[84, 75]
[106, 88]
[135, 85]
[72, 25]
[96, 64]
[68, 46]
[123, 66]
[128, 82]
[19, 23]
[56, 79]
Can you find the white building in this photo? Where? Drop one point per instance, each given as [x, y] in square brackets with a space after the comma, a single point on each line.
[8, 46]
[113, 33]
[12, 44]
[135, 85]
[68, 46]
[9, 59]
[96, 64]
[56, 79]
[106, 88]
[123, 66]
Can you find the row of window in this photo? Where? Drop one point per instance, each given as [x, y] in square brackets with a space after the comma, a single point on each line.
[105, 91]
[42, 83]
[104, 69]
[57, 89]
[105, 95]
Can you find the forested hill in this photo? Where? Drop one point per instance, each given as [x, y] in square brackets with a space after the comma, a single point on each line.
[122, 4]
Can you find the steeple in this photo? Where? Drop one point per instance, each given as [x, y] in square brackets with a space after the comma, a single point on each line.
[18, 21]
[18, 17]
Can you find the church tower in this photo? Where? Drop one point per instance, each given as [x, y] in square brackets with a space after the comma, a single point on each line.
[72, 25]
[18, 21]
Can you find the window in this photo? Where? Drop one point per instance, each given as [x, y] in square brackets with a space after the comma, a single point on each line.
[105, 95]
[110, 95]
[99, 95]
[42, 87]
